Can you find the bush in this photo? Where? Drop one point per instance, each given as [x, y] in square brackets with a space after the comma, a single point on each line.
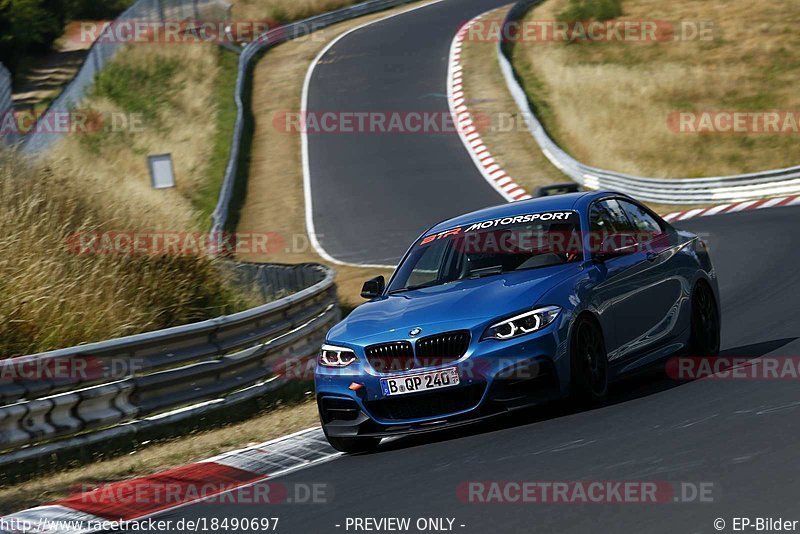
[583, 10]
[608, 9]
[141, 87]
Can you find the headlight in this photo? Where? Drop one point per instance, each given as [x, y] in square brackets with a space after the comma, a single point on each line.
[522, 324]
[330, 356]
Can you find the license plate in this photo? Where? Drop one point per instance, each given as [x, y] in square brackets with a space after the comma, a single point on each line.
[420, 382]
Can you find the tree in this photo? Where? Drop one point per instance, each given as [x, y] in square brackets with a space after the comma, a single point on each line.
[27, 26]
[30, 26]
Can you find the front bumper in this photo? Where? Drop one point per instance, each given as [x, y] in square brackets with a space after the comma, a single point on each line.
[495, 378]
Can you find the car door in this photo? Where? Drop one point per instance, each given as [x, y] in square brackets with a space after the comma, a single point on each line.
[632, 299]
[657, 297]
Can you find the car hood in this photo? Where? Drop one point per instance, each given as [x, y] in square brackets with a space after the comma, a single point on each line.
[456, 305]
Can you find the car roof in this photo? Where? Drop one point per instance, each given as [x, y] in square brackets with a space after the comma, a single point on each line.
[570, 201]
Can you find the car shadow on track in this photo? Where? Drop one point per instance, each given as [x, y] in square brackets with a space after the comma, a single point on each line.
[648, 382]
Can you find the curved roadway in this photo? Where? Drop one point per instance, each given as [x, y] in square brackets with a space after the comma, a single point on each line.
[399, 183]
[740, 435]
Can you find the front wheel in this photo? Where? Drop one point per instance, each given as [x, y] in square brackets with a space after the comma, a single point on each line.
[589, 364]
[354, 445]
[705, 333]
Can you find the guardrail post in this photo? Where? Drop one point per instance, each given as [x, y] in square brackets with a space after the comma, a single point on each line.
[160, 10]
[35, 422]
[61, 416]
[11, 432]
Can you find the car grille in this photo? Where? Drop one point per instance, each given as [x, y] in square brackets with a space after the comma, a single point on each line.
[389, 357]
[442, 348]
[431, 404]
[430, 351]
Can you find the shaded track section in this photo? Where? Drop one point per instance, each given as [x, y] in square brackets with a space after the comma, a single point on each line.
[742, 436]
[374, 193]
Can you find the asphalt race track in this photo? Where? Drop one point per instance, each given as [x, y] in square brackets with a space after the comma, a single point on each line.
[403, 182]
[740, 436]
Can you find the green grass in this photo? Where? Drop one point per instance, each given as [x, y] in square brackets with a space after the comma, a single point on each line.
[145, 89]
[537, 93]
[138, 88]
[206, 197]
[583, 10]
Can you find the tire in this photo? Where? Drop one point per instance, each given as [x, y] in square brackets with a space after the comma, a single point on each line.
[589, 364]
[354, 445]
[704, 340]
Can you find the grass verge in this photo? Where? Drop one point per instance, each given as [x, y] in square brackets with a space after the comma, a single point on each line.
[508, 139]
[55, 297]
[609, 104]
[207, 194]
[285, 10]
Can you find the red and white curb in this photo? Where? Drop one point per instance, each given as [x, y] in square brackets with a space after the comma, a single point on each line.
[139, 499]
[733, 208]
[467, 125]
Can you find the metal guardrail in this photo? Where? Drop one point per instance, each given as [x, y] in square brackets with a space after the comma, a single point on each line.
[6, 105]
[106, 47]
[101, 390]
[250, 52]
[671, 191]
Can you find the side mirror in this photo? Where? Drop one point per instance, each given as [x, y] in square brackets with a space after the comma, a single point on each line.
[373, 287]
[617, 245]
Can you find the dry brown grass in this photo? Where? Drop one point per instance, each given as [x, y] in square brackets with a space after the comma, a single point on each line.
[177, 118]
[53, 297]
[513, 148]
[154, 458]
[99, 182]
[285, 10]
[608, 103]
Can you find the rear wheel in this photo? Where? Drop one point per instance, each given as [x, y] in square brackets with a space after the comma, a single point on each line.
[589, 364]
[354, 445]
[705, 333]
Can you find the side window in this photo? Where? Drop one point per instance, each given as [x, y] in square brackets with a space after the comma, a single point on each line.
[642, 220]
[607, 217]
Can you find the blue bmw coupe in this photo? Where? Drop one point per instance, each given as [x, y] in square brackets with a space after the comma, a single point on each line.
[512, 306]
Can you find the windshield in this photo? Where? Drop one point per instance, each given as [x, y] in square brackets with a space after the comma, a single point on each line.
[491, 248]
